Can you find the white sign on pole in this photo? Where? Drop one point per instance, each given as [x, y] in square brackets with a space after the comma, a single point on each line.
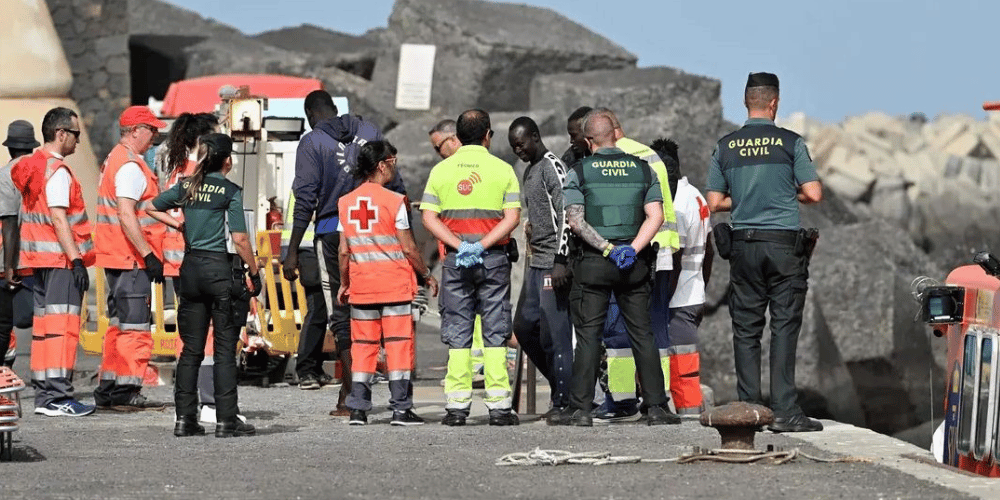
[416, 72]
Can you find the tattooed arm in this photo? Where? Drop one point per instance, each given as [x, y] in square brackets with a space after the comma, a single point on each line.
[574, 215]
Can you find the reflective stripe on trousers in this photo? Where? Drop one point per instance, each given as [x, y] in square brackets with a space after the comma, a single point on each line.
[55, 334]
[371, 326]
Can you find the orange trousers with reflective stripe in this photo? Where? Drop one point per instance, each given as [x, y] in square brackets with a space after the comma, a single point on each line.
[368, 335]
[55, 333]
[128, 343]
[685, 380]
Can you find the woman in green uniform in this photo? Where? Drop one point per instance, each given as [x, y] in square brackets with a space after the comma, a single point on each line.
[213, 212]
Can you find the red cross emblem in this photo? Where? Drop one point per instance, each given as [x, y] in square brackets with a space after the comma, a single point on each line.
[703, 210]
[363, 214]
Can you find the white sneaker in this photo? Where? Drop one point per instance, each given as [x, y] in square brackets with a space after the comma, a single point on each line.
[207, 415]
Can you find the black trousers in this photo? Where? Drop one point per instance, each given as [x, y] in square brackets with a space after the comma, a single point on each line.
[6, 319]
[597, 278]
[327, 252]
[206, 283]
[311, 356]
[767, 275]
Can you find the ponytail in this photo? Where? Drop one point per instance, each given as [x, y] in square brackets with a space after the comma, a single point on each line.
[184, 136]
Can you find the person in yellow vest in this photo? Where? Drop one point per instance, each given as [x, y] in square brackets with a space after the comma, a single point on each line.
[445, 143]
[19, 143]
[129, 247]
[378, 258]
[56, 245]
[621, 365]
[471, 204]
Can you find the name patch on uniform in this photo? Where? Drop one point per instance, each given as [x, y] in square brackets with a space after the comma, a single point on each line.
[614, 168]
[755, 146]
[205, 192]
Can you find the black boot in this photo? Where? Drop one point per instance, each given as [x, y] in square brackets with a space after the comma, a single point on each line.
[188, 426]
[234, 428]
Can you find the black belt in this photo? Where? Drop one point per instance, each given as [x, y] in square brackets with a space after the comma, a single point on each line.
[786, 236]
[207, 253]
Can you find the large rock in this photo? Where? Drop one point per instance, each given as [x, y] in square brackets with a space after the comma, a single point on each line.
[955, 221]
[157, 17]
[862, 357]
[650, 102]
[32, 57]
[245, 55]
[489, 52]
[354, 54]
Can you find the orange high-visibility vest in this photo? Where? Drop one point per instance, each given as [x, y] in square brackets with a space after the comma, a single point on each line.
[379, 271]
[40, 247]
[113, 249]
[173, 240]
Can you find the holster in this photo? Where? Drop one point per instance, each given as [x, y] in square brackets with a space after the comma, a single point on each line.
[722, 233]
[513, 254]
[239, 290]
[805, 242]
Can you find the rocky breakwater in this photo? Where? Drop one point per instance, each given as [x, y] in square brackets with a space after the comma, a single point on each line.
[937, 179]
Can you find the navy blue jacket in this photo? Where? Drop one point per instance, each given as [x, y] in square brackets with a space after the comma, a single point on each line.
[324, 166]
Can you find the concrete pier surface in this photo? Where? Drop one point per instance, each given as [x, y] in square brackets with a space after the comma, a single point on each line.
[302, 452]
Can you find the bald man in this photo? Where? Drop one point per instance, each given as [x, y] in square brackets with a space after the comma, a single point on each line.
[614, 204]
[620, 405]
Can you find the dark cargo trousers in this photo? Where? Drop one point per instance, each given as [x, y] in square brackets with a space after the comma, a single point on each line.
[483, 289]
[597, 279]
[327, 253]
[309, 361]
[6, 322]
[767, 275]
[204, 299]
[544, 331]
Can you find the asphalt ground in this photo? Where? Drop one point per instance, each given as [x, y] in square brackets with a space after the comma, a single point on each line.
[302, 452]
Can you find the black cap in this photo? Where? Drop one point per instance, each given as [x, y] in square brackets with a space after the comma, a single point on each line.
[762, 80]
[219, 144]
[20, 135]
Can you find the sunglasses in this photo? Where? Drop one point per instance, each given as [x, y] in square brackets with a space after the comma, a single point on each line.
[437, 147]
[76, 133]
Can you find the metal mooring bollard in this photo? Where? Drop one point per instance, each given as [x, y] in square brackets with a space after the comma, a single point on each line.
[737, 423]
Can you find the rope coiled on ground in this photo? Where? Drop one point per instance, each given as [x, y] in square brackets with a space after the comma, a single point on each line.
[539, 456]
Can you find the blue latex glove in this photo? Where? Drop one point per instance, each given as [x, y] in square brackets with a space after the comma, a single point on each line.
[623, 256]
[469, 254]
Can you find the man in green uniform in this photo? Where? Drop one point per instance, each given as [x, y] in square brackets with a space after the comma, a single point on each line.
[761, 173]
[614, 204]
[621, 366]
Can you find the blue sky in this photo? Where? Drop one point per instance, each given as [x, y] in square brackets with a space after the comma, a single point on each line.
[835, 59]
